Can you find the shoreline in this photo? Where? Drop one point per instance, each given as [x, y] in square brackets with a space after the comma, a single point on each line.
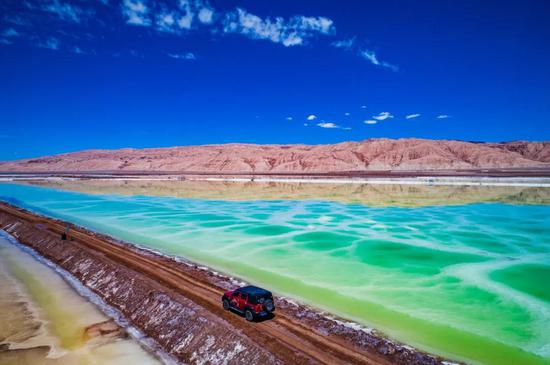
[331, 326]
[515, 181]
[87, 294]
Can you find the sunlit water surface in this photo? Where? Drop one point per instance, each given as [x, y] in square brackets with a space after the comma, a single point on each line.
[468, 281]
[43, 320]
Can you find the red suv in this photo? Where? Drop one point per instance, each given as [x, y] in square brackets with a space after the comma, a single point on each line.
[251, 301]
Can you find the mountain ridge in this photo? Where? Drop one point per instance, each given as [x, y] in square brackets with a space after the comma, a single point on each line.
[368, 155]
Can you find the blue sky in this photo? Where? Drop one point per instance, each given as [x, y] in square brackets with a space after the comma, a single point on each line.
[143, 73]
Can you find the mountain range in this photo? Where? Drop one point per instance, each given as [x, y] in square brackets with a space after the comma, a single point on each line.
[370, 155]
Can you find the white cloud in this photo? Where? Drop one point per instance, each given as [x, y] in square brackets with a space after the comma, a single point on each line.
[10, 32]
[206, 15]
[363, 107]
[351, 45]
[136, 12]
[412, 116]
[166, 22]
[64, 10]
[289, 118]
[443, 116]
[184, 56]
[190, 10]
[347, 114]
[383, 116]
[346, 44]
[372, 58]
[81, 51]
[330, 125]
[186, 21]
[370, 121]
[17, 20]
[311, 117]
[50, 43]
[317, 24]
[292, 32]
[327, 125]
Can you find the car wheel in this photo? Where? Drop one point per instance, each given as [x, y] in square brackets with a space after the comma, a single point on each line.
[248, 315]
[225, 304]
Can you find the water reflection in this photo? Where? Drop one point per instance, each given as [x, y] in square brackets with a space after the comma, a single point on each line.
[366, 194]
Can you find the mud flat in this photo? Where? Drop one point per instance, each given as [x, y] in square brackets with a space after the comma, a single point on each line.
[176, 304]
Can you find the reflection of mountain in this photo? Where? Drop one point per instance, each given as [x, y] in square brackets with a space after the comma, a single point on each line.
[371, 155]
[368, 194]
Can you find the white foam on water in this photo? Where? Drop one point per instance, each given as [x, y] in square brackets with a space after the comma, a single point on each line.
[477, 274]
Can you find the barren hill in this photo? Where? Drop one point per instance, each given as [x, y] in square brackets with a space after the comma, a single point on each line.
[369, 155]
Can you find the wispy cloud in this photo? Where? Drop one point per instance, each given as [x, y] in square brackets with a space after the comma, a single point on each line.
[185, 21]
[370, 121]
[293, 32]
[289, 118]
[16, 19]
[183, 56]
[63, 10]
[136, 12]
[346, 44]
[7, 35]
[347, 114]
[181, 16]
[352, 45]
[50, 43]
[311, 117]
[10, 33]
[383, 116]
[363, 107]
[372, 58]
[79, 50]
[443, 116]
[165, 22]
[412, 116]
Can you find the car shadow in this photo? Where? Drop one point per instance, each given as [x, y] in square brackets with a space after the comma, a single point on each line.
[268, 317]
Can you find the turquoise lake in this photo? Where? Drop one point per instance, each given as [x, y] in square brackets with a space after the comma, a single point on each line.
[467, 281]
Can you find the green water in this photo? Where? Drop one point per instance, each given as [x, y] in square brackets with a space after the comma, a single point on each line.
[468, 282]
